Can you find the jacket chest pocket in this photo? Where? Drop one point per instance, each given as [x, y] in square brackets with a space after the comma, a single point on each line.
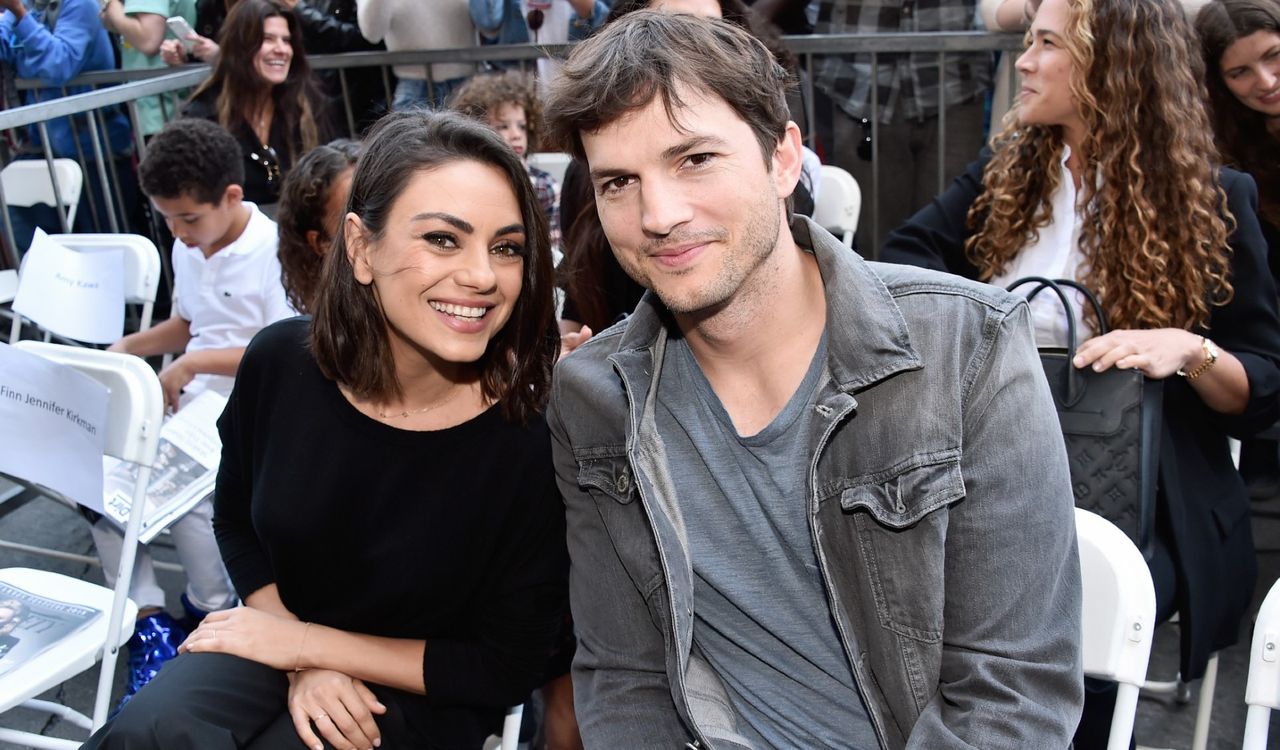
[900, 523]
[611, 483]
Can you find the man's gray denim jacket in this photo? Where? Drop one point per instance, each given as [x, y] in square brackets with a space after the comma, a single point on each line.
[939, 503]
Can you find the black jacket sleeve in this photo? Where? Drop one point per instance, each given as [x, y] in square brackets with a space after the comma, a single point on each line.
[1248, 326]
[935, 236]
[324, 32]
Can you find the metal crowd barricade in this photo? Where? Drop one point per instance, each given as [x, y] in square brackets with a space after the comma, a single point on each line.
[124, 88]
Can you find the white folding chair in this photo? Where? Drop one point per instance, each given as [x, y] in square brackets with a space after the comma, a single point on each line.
[1119, 616]
[1262, 691]
[510, 739]
[26, 182]
[135, 411]
[8, 290]
[839, 203]
[553, 163]
[141, 272]
[511, 727]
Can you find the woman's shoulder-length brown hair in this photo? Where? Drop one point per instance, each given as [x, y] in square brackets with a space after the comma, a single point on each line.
[349, 335]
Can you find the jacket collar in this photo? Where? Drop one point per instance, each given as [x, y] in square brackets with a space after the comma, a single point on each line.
[870, 342]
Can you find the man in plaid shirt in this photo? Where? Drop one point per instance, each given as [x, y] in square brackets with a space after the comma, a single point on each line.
[907, 88]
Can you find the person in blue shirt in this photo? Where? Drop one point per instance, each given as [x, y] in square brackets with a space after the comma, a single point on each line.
[537, 21]
[55, 41]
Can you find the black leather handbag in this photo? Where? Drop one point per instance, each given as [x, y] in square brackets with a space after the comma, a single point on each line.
[1111, 425]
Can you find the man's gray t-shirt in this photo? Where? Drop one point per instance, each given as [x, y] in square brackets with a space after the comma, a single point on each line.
[761, 614]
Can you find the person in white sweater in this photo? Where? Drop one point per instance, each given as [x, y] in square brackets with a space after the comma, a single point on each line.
[420, 25]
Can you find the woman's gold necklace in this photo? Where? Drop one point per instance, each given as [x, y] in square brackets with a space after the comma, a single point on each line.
[384, 416]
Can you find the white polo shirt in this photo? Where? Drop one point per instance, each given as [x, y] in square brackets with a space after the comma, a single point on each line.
[231, 295]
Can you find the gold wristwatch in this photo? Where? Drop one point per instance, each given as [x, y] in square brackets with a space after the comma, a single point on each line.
[1210, 350]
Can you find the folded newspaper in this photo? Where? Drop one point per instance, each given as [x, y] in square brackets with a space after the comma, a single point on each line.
[184, 472]
[30, 624]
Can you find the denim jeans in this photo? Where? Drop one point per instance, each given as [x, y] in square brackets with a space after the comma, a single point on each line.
[411, 91]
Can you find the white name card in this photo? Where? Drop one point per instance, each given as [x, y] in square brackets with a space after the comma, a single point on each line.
[79, 295]
[53, 425]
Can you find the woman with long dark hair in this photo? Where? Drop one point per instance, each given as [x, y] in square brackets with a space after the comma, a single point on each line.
[1106, 173]
[386, 504]
[262, 91]
[1241, 44]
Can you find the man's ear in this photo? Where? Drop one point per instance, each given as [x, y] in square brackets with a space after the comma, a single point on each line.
[358, 249]
[788, 157]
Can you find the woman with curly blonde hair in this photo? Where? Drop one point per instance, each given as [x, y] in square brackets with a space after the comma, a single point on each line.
[1106, 173]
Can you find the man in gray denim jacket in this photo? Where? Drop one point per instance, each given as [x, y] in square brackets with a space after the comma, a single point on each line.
[812, 501]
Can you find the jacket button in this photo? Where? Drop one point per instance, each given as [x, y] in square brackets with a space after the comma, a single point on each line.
[624, 483]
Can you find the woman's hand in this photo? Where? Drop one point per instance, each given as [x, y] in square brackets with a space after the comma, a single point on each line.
[204, 49]
[1157, 353]
[172, 52]
[571, 341]
[340, 707]
[250, 634]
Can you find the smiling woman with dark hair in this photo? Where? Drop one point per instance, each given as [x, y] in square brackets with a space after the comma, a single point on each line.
[262, 91]
[385, 505]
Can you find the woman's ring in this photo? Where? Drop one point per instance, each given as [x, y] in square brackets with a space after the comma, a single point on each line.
[321, 716]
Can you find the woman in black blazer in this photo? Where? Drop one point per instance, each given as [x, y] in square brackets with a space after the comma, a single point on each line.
[1110, 178]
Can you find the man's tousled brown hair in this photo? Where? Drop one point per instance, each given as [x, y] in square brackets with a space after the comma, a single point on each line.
[650, 53]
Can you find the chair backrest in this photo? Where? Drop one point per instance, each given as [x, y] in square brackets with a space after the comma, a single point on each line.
[26, 183]
[8, 285]
[135, 410]
[136, 406]
[1118, 615]
[141, 271]
[1262, 692]
[551, 162]
[141, 264]
[839, 203]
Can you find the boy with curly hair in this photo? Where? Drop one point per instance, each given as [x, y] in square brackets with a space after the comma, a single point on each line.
[227, 287]
[509, 103]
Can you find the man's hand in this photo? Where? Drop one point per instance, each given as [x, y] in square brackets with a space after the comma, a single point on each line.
[173, 379]
[15, 7]
[341, 708]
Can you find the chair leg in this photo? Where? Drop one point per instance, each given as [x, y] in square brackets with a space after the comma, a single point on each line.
[1255, 728]
[1204, 707]
[1123, 718]
[511, 727]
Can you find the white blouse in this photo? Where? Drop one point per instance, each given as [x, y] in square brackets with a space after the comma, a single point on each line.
[1055, 255]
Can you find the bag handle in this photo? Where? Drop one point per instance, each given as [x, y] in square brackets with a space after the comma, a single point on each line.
[1075, 381]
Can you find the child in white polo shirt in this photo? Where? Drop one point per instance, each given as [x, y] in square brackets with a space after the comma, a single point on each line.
[227, 287]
